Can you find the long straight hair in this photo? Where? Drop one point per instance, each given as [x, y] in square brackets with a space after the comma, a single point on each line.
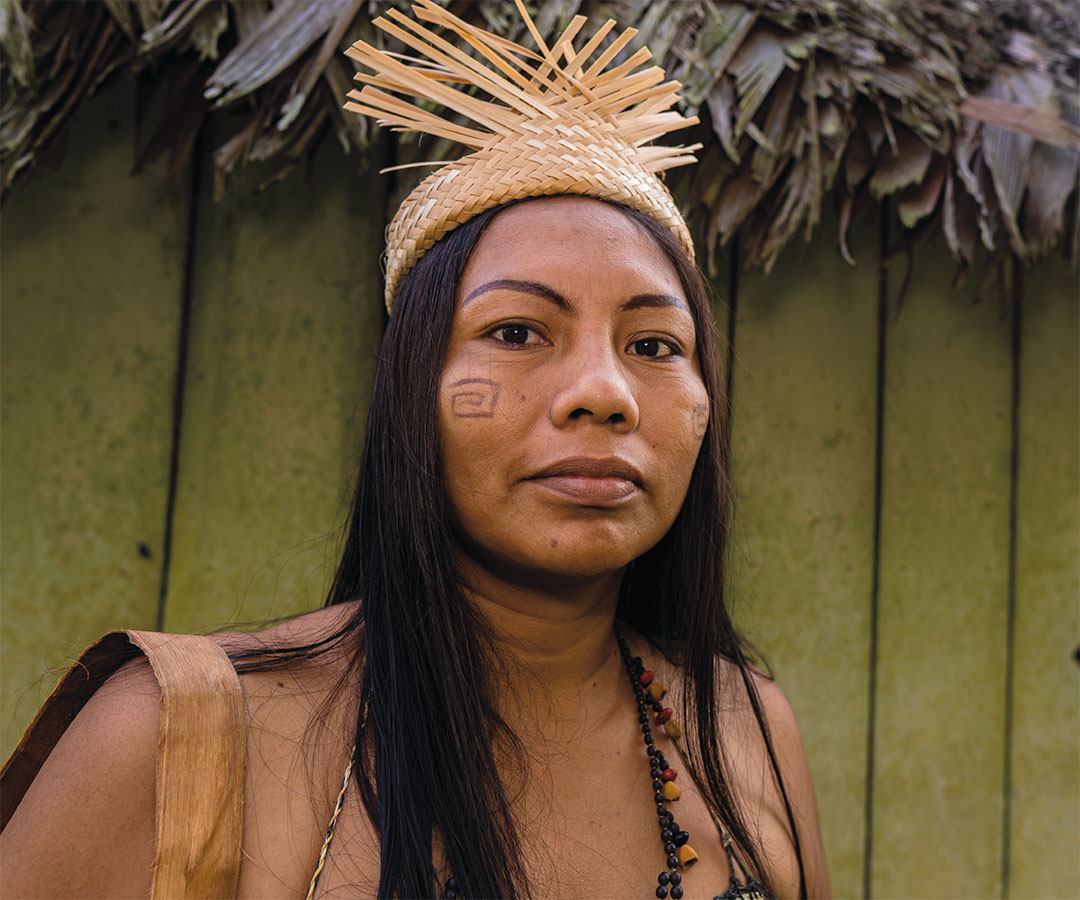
[428, 725]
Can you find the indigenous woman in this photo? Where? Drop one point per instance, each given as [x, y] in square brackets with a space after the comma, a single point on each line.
[525, 682]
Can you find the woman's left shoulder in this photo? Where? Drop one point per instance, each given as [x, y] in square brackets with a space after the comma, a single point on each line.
[789, 750]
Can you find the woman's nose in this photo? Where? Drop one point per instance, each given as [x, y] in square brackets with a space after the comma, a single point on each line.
[594, 386]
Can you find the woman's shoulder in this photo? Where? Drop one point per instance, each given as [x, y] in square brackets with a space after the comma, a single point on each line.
[306, 628]
[792, 793]
[93, 799]
[295, 661]
[92, 802]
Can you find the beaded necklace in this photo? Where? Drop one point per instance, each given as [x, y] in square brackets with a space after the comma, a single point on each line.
[649, 693]
[680, 855]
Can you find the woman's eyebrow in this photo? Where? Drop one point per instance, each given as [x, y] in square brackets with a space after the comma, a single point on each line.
[526, 287]
[640, 300]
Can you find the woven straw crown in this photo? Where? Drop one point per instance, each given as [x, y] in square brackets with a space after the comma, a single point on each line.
[557, 124]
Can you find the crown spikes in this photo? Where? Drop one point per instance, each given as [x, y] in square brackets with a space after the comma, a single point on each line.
[559, 120]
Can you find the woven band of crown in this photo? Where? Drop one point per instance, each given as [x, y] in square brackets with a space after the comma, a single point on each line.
[561, 121]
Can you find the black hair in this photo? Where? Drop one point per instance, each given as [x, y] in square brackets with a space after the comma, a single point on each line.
[427, 748]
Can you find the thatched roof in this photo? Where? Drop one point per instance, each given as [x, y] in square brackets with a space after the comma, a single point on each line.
[965, 110]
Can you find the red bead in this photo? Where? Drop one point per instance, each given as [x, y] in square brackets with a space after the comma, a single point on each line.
[669, 775]
[646, 677]
[663, 715]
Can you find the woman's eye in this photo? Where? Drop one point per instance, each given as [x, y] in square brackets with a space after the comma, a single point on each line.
[516, 334]
[652, 347]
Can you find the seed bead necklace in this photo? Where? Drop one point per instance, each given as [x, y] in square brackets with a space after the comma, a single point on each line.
[680, 855]
[649, 693]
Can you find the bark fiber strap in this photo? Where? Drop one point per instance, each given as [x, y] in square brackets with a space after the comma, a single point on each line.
[201, 759]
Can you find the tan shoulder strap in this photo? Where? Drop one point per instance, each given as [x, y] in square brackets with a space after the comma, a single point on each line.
[201, 763]
[201, 760]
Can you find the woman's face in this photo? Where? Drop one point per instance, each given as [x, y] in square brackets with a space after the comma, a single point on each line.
[571, 403]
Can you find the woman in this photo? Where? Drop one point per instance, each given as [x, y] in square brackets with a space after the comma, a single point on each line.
[535, 550]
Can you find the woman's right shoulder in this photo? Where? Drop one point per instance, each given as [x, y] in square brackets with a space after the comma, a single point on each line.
[271, 673]
[86, 825]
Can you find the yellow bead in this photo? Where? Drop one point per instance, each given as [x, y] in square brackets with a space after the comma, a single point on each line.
[673, 729]
[670, 790]
[687, 856]
[657, 690]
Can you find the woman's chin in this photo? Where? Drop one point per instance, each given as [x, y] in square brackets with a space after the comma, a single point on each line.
[556, 562]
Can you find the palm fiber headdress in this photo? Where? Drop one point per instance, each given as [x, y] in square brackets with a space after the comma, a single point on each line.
[559, 122]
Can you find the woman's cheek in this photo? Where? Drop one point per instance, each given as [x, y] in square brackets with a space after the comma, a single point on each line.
[683, 416]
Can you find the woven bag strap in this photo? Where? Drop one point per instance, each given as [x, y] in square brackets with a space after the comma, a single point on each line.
[201, 758]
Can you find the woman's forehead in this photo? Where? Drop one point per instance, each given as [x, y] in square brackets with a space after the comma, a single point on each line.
[569, 239]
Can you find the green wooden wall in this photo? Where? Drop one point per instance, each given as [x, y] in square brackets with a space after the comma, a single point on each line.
[183, 390]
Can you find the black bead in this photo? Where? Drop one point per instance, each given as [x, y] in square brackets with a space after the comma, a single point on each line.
[676, 878]
[674, 826]
[666, 835]
[658, 797]
[663, 878]
[670, 848]
[668, 817]
[676, 893]
[641, 708]
[643, 718]
[672, 861]
[661, 892]
[658, 785]
[651, 751]
[649, 739]
[646, 728]
[681, 838]
[660, 809]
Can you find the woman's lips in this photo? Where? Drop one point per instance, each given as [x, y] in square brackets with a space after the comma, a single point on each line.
[589, 490]
[590, 481]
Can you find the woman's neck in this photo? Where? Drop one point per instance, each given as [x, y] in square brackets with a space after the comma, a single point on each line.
[555, 650]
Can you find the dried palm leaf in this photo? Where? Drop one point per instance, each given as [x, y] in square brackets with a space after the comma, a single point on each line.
[959, 106]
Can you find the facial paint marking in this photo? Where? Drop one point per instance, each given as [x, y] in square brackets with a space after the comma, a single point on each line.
[477, 400]
[701, 419]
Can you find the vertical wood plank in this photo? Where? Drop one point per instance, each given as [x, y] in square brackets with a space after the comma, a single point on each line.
[804, 438]
[943, 598]
[91, 280]
[1044, 832]
[286, 319]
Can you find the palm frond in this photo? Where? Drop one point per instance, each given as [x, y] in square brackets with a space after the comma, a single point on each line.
[962, 109]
